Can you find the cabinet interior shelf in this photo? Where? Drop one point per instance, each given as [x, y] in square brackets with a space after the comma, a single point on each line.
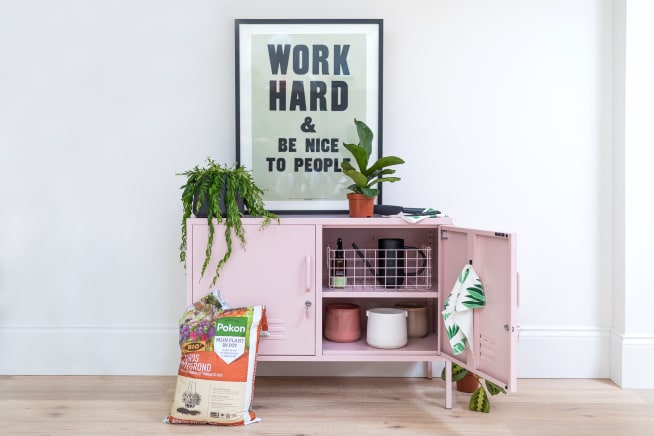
[417, 346]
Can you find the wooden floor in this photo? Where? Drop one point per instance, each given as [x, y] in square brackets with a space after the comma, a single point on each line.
[79, 405]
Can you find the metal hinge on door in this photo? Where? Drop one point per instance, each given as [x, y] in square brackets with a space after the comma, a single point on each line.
[443, 234]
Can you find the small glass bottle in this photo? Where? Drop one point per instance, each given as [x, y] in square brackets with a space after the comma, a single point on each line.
[337, 277]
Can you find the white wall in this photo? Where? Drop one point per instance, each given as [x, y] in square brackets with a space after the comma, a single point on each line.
[501, 110]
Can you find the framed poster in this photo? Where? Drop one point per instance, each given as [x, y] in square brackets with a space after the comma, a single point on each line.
[299, 86]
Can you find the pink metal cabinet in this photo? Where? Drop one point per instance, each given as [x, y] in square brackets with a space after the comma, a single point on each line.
[276, 269]
[283, 268]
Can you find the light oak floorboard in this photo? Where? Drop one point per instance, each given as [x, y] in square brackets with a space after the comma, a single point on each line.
[103, 405]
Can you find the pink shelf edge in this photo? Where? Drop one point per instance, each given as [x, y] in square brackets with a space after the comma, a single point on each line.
[427, 346]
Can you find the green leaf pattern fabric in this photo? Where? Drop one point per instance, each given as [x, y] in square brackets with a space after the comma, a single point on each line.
[467, 294]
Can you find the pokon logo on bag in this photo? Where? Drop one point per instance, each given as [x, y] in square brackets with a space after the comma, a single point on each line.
[230, 341]
[231, 326]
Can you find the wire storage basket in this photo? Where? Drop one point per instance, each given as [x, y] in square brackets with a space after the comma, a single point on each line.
[374, 268]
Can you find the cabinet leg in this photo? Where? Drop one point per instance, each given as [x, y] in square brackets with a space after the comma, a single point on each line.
[448, 384]
[429, 370]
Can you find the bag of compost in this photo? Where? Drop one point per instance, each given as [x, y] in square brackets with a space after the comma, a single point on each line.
[215, 381]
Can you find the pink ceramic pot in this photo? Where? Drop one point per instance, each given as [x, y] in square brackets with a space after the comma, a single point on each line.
[342, 322]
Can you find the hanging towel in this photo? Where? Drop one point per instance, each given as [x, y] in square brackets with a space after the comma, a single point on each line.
[467, 294]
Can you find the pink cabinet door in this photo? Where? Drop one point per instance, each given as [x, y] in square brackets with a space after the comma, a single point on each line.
[276, 269]
[493, 257]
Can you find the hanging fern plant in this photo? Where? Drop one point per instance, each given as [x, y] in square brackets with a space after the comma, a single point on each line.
[223, 192]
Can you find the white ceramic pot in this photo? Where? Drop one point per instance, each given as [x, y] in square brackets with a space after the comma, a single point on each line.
[386, 327]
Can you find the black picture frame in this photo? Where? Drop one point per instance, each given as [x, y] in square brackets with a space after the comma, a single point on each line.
[300, 83]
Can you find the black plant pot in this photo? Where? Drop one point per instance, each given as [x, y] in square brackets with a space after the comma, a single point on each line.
[203, 210]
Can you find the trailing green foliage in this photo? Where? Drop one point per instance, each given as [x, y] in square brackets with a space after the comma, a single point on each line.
[206, 185]
[366, 177]
[479, 400]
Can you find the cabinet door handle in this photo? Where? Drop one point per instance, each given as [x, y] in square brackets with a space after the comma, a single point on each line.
[308, 275]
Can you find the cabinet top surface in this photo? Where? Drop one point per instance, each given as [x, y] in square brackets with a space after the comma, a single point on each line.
[341, 221]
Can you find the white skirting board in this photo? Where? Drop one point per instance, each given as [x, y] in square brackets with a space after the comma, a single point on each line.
[631, 360]
[89, 350]
[147, 350]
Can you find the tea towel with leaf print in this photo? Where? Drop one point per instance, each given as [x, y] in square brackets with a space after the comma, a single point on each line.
[467, 294]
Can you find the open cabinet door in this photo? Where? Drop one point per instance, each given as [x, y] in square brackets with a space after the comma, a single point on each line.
[493, 257]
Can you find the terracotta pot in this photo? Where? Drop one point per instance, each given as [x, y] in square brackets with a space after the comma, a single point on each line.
[360, 205]
[467, 384]
[342, 322]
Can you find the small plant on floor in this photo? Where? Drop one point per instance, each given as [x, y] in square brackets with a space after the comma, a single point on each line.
[480, 400]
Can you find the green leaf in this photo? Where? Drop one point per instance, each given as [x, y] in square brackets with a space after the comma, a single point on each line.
[346, 165]
[369, 192]
[355, 188]
[358, 178]
[384, 161]
[458, 372]
[360, 156]
[493, 389]
[479, 401]
[365, 136]
[384, 179]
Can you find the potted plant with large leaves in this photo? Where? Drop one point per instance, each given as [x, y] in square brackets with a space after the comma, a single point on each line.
[222, 193]
[366, 176]
[481, 388]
